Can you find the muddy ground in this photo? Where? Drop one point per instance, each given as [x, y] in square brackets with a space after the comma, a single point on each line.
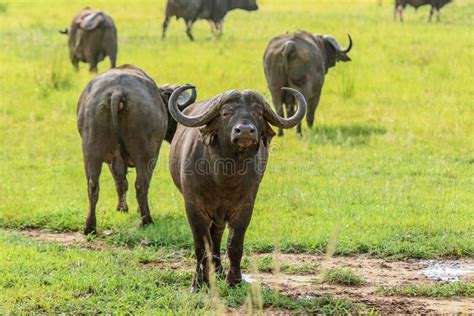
[375, 272]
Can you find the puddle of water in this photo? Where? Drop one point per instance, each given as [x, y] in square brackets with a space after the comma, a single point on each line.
[246, 278]
[447, 271]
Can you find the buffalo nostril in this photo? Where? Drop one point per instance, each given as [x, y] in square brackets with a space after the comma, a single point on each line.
[237, 130]
[252, 130]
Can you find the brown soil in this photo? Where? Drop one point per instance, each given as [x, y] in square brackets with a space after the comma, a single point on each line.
[65, 238]
[375, 272]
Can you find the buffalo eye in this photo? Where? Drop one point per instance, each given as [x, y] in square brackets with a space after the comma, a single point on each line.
[257, 109]
[226, 114]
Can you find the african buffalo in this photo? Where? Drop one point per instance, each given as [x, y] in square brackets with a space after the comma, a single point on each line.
[217, 160]
[91, 37]
[212, 10]
[436, 5]
[122, 120]
[300, 60]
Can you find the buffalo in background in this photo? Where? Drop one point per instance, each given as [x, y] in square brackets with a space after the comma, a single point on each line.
[122, 120]
[217, 160]
[92, 36]
[300, 60]
[212, 10]
[436, 5]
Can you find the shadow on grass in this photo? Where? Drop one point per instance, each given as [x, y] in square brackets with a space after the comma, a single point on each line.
[352, 135]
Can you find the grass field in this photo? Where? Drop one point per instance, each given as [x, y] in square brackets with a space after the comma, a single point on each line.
[388, 170]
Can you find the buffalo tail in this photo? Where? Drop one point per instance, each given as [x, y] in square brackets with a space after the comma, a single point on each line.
[117, 102]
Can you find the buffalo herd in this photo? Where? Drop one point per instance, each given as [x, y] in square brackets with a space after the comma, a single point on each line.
[219, 147]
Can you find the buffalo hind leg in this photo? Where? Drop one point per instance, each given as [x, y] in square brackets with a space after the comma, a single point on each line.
[216, 235]
[219, 28]
[290, 110]
[166, 22]
[93, 65]
[311, 112]
[113, 60]
[118, 168]
[144, 169]
[189, 27]
[93, 168]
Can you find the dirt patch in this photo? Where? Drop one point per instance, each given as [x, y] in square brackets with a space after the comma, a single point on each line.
[65, 238]
[375, 272]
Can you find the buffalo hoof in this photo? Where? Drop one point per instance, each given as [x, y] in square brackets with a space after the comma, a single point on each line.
[233, 283]
[122, 208]
[198, 285]
[147, 221]
[233, 280]
[90, 231]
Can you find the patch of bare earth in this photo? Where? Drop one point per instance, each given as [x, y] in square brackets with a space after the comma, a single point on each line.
[65, 238]
[375, 272]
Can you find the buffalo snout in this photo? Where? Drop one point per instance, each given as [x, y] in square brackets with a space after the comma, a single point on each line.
[244, 135]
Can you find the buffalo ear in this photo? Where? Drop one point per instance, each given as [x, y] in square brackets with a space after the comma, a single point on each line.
[331, 55]
[267, 135]
[166, 94]
[209, 133]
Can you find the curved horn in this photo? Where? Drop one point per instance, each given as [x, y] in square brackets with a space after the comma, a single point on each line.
[281, 122]
[348, 47]
[336, 45]
[63, 32]
[204, 118]
[190, 100]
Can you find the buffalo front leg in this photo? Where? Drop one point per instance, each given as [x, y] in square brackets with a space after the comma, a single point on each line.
[166, 22]
[216, 236]
[75, 63]
[145, 169]
[118, 168]
[213, 26]
[189, 27]
[235, 246]
[93, 168]
[431, 14]
[400, 12]
[202, 245]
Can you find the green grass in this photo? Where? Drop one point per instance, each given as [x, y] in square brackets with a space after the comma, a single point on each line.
[342, 276]
[60, 279]
[438, 290]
